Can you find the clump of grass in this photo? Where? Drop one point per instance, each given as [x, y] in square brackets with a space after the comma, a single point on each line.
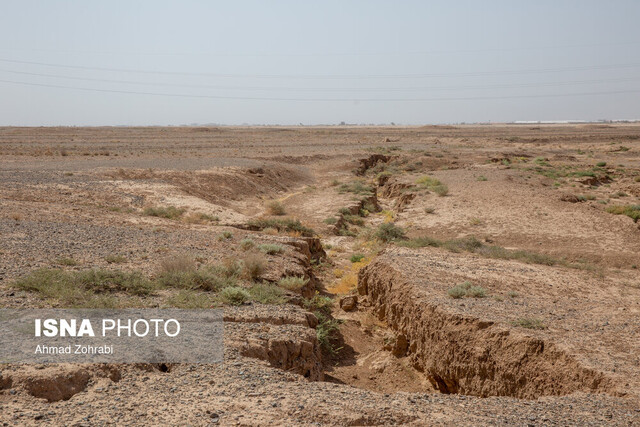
[512, 294]
[632, 211]
[388, 232]
[225, 235]
[331, 220]
[66, 261]
[467, 289]
[433, 184]
[254, 265]
[115, 259]
[234, 295]
[429, 210]
[275, 208]
[637, 179]
[293, 283]
[326, 329]
[189, 299]
[529, 323]
[210, 278]
[601, 164]
[318, 303]
[247, 244]
[471, 244]
[281, 224]
[482, 178]
[357, 257]
[201, 218]
[88, 288]
[178, 264]
[169, 212]
[265, 293]
[354, 219]
[16, 217]
[356, 187]
[271, 249]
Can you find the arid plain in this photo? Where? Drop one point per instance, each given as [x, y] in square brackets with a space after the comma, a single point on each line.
[436, 275]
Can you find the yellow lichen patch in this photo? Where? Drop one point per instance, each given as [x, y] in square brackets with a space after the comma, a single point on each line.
[348, 279]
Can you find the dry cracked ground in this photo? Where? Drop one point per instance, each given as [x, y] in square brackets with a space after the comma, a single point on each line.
[433, 275]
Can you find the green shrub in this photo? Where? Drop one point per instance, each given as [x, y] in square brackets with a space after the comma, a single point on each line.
[189, 299]
[632, 211]
[357, 257]
[356, 187]
[265, 293]
[247, 244]
[433, 184]
[354, 219]
[234, 295]
[293, 283]
[601, 164]
[529, 323]
[331, 220]
[467, 289]
[169, 212]
[281, 224]
[388, 232]
[482, 178]
[271, 249]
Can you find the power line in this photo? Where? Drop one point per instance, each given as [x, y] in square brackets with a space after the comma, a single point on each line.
[328, 89]
[332, 77]
[329, 54]
[322, 99]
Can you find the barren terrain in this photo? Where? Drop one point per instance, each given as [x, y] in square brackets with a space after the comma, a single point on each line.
[436, 275]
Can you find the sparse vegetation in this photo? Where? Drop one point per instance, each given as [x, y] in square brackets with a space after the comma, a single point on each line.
[356, 187]
[169, 212]
[234, 295]
[293, 283]
[271, 249]
[467, 289]
[115, 259]
[87, 288]
[282, 224]
[201, 218]
[266, 293]
[601, 164]
[275, 208]
[529, 323]
[632, 211]
[433, 184]
[66, 261]
[482, 178]
[331, 220]
[357, 257]
[471, 244]
[189, 299]
[225, 235]
[253, 265]
[247, 244]
[388, 232]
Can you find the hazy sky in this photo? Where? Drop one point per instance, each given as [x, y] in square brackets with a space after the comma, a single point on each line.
[290, 62]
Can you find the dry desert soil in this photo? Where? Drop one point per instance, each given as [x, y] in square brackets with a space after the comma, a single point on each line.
[436, 275]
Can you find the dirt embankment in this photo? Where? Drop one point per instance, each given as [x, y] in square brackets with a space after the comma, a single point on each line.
[469, 355]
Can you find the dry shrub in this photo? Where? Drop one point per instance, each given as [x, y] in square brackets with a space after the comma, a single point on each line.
[178, 264]
[254, 264]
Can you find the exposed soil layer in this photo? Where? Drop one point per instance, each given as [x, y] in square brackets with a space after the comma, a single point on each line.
[469, 345]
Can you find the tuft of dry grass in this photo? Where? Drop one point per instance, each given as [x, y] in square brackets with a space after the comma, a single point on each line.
[275, 208]
[254, 265]
[178, 264]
